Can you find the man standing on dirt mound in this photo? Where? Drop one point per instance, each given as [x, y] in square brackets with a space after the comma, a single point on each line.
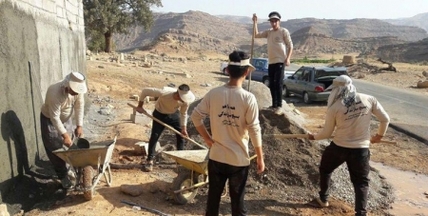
[63, 99]
[279, 48]
[234, 119]
[170, 108]
[350, 114]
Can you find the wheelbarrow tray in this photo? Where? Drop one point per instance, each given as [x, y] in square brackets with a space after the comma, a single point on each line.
[96, 155]
[195, 160]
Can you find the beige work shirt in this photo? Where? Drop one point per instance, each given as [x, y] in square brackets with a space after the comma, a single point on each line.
[59, 106]
[234, 120]
[278, 42]
[166, 104]
[353, 124]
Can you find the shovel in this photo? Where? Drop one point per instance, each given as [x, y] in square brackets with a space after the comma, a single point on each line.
[171, 128]
[306, 136]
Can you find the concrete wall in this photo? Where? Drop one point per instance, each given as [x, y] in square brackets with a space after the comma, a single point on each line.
[40, 42]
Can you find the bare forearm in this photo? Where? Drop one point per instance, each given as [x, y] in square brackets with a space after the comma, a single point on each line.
[203, 132]
[259, 152]
[289, 52]
[140, 103]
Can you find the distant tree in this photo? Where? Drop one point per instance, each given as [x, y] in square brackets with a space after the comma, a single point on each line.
[105, 17]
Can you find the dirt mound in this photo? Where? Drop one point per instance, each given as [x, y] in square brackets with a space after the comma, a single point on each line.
[292, 167]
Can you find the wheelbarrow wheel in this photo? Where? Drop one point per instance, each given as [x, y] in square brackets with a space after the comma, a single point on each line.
[87, 182]
[183, 181]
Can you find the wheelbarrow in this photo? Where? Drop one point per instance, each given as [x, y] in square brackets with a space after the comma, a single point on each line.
[186, 184]
[89, 164]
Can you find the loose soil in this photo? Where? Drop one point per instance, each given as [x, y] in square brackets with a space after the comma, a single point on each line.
[290, 179]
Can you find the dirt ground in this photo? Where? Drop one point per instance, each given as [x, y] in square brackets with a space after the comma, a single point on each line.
[290, 180]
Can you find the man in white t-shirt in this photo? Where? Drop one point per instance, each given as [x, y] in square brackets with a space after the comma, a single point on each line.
[279, 48]
[63, 99]
[349, 114]
[234, 120]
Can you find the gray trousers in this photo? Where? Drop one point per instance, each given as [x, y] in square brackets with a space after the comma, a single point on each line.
[52, 140]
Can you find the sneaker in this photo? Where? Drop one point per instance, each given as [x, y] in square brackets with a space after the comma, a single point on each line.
[66, 183]
[278, 111]
[317, 202]
[148, 167]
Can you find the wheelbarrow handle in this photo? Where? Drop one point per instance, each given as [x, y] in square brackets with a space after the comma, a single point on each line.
[171, 128]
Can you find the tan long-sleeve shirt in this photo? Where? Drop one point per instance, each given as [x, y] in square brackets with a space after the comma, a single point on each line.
[166, 104]
[234, 119]
[353, 124]
[59, 106]
[278, 42]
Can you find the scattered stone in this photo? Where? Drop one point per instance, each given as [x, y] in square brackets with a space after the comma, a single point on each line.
[133, 190]
[422, 84]
[3, 210]
[206, 85]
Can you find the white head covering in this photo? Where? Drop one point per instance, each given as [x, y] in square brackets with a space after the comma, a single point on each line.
[342, 89]
[76, 81]
[185, 94]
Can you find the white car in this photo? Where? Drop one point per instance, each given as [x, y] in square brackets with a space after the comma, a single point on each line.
[223, 67]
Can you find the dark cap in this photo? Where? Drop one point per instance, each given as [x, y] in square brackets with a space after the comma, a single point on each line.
[274, 15]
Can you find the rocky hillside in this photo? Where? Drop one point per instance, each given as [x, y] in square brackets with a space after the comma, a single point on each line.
[408, 52]
[420, 20]
[192, 30]
[354, 28]
[311, 40]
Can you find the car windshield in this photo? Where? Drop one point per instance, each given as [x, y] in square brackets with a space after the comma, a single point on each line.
[323, 73]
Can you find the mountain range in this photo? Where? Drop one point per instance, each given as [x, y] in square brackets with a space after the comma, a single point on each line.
[200, 31]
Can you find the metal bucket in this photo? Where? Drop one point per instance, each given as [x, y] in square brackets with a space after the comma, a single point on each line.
[82, 143]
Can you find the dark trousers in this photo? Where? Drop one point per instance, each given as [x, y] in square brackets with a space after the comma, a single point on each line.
[357, 161]
[52, 140]
[172, 120]
[276, 76]
[218, 173]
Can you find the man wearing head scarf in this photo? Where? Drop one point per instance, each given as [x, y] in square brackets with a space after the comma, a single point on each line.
[63, 99]
[349, 114]
[170, 108]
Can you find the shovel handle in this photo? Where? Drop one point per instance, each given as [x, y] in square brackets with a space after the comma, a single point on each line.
[171, 128]
[306, 136]
[288, 136]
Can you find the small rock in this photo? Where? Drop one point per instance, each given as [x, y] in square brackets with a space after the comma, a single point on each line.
[133, 190]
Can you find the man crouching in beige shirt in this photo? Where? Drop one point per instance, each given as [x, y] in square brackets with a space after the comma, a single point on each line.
[63, 99]
[234, 119]
[170, 108]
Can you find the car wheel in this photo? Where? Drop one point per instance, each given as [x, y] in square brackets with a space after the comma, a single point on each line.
[306, 98]
[266, 81]
[285, 91]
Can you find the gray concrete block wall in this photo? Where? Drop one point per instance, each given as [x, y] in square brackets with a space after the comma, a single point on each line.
[40, 42]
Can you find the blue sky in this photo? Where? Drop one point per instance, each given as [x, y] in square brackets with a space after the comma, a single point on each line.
[294, 9]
